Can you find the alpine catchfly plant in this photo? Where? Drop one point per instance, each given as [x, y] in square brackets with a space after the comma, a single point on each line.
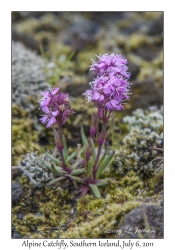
[108, 91]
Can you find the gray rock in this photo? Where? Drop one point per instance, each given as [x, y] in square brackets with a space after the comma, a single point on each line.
[81, 33]
[17, 193]
[156, 27]
[145, 221]
[16, 236]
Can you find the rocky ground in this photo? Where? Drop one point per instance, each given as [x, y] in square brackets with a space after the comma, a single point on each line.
[54, 49]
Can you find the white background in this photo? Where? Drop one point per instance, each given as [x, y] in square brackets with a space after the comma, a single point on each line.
[6, 6]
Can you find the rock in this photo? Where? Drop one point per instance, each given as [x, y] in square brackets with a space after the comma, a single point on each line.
[38, 214]
[75, 90]
[26, 39]
[17, 193]
[145, 93]
[16, 236]
[147, 52]
[103, 17]
[28, 78]
[81, 33]
[21, 15]
[146, 218]
[156, 27]
[134, 69]
[20, 216]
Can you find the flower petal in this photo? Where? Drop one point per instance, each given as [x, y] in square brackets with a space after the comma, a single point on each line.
[45, 109]
[107, 90]
[109, 106]
[45, 93]
[120, 107]
[54, 91]
[51, 121]
[44, 119]
[55, 113]
[101, 98]
[96, 96]
[114, 103]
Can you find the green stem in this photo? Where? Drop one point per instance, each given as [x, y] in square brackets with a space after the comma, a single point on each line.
[102, 137]
[61, 147]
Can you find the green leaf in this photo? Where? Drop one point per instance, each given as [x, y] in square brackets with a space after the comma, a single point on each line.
[64, 63]
[53, 158]
[75, 165]
[55, 181]
[65, 152]
[77, 171]
[102, 182]
[103, 157]
[77, 179]
[82, 154]
[93, 150]
[48, 165]
[57, 170]
[54, 169]
[105, 164]
[72, 156]
[89, 167]
[83, 137]
[95, 190]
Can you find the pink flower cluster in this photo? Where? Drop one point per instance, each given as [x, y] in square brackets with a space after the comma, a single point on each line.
[55, 106]
[110, 87]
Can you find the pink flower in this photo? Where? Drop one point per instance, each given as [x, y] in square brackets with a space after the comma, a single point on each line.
[55, 106]
[49, 117]
[110, 64]
[110, 87]
[47, 96]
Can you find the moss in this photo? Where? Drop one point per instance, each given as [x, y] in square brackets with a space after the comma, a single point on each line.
[24, 181]
[116, 193]
[96, 228]
[44, 36]
[155, 184]
[147, 71]
[83, 65]
[17, 111]
[32, 220]
[53, 214]
[152, 15]
[89, 203]
[36, 236]
[24, 138]
[135, 40]
[60, 50]
[132, 183]
[22, 230]
[47, 22]
[158, 61]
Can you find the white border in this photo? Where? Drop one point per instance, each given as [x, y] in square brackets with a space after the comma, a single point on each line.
[6, 7]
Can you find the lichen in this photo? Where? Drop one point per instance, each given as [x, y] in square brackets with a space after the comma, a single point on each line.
[136, 153]
[151, 118]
